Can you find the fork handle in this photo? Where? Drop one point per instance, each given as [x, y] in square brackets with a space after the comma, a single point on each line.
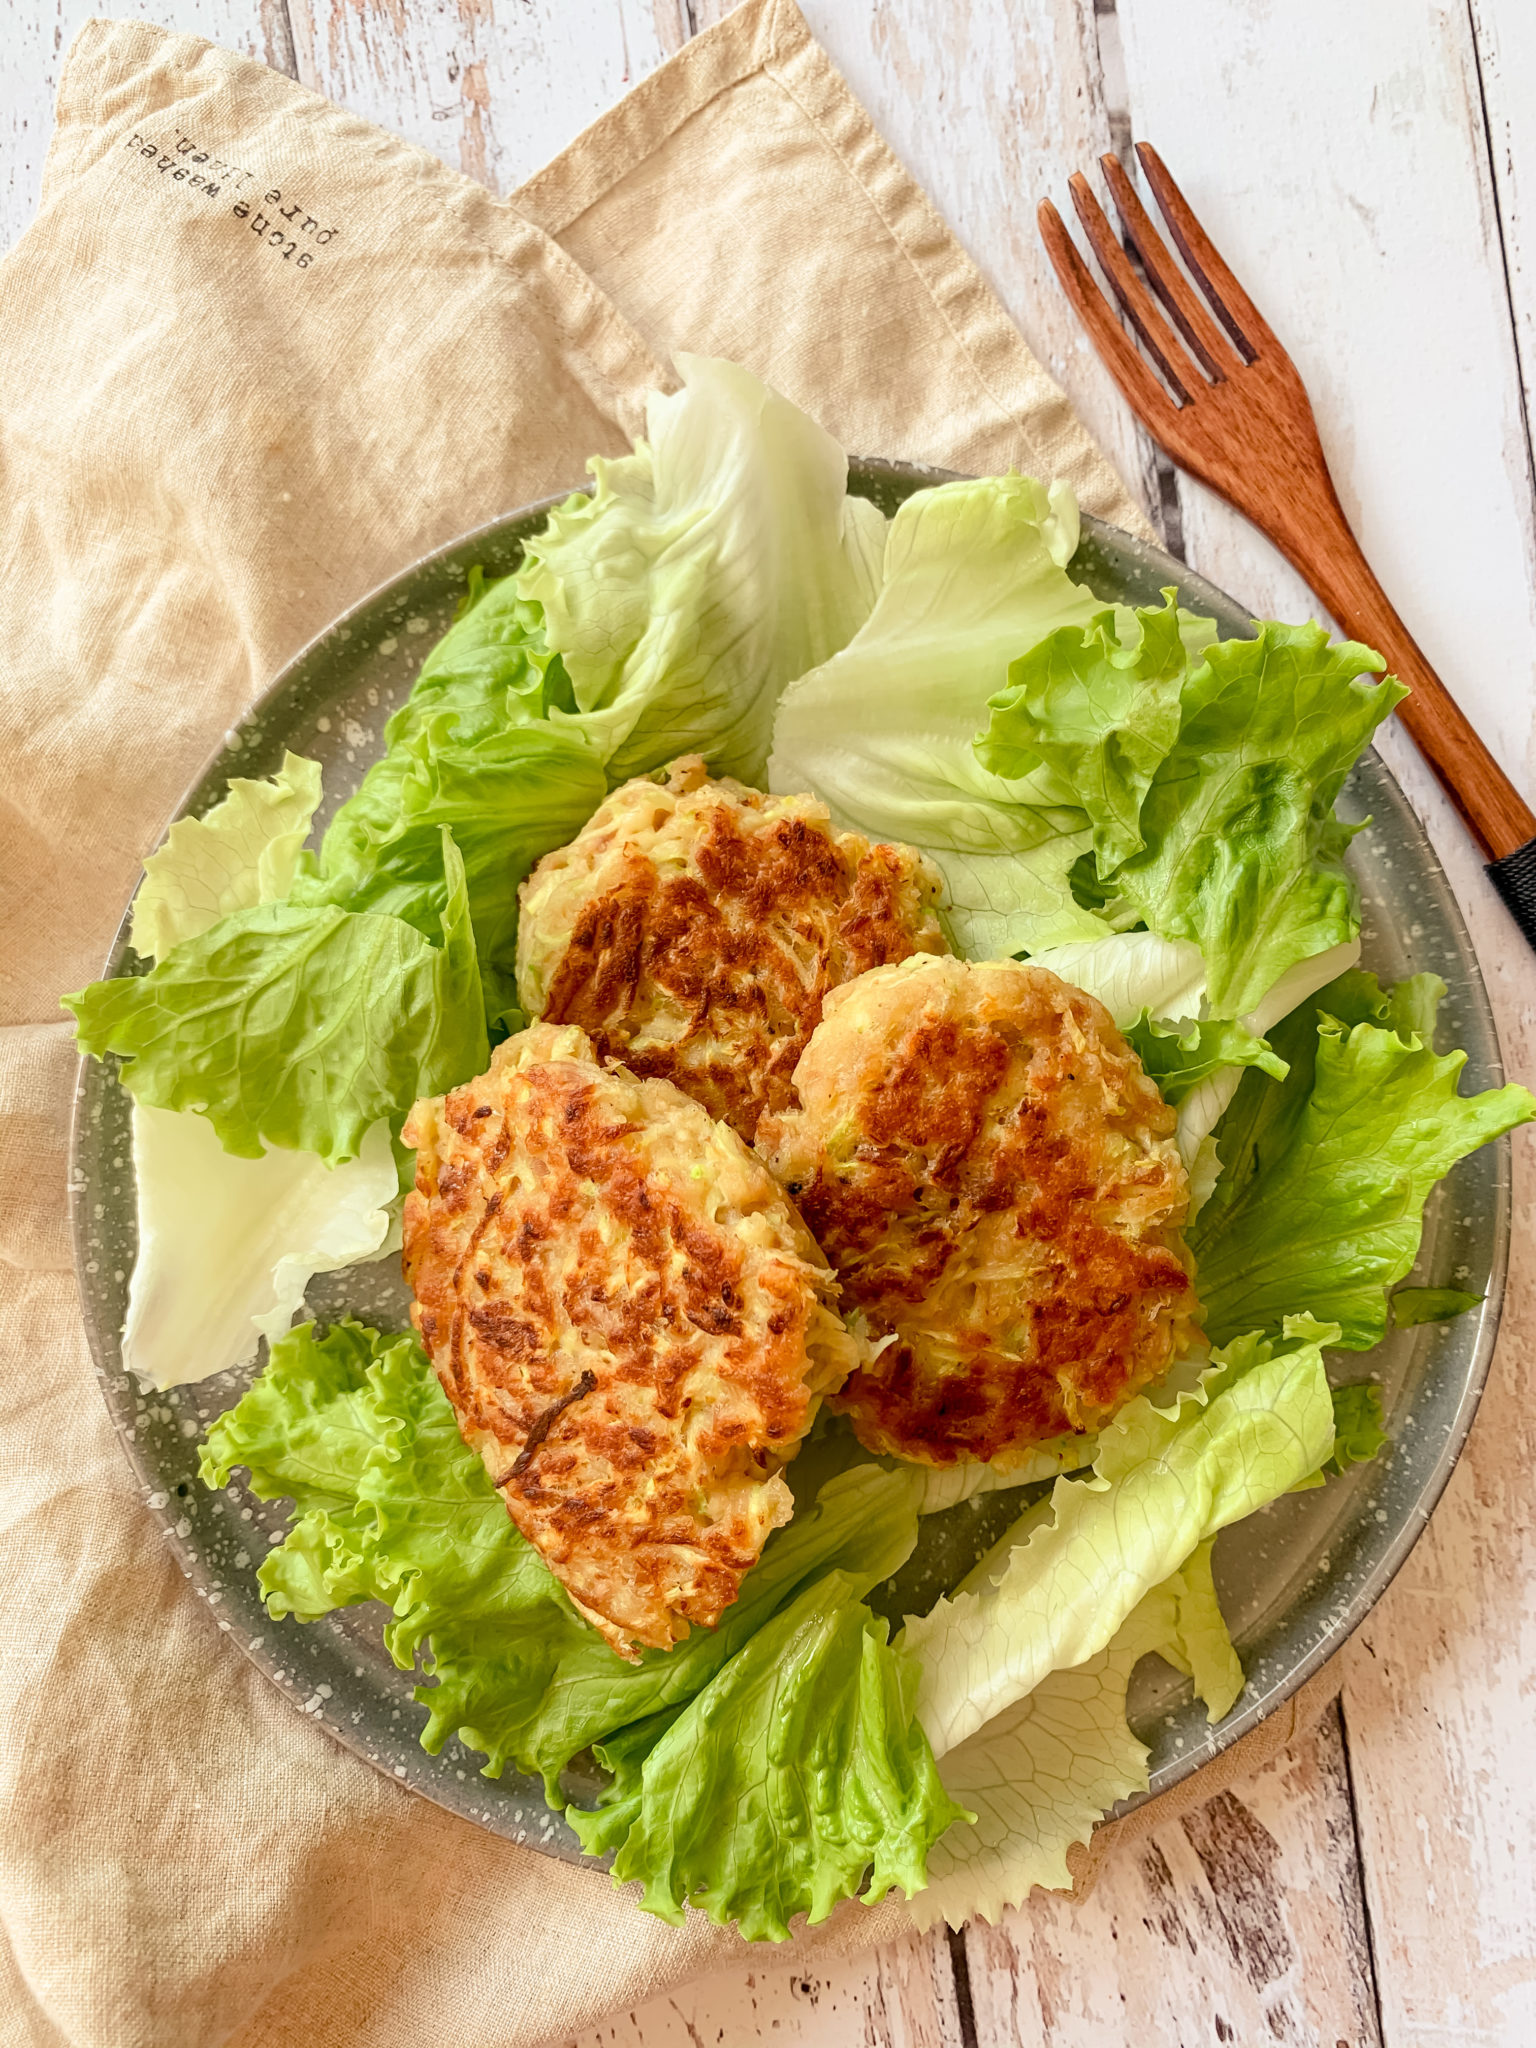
[1315, 536]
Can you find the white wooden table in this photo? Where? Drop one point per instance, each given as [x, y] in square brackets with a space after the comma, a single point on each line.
[1370, 169]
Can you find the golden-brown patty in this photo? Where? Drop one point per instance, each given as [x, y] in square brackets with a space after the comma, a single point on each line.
[632, 1324]
[693, 929]
[982, 1158]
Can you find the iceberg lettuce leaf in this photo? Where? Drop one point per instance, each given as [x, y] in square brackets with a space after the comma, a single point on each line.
[706, 569]
[1042, 1774]
[227, 1245]
[884, 731]
[1133, 974]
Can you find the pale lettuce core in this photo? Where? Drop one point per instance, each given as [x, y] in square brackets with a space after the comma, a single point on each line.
[884, 733]
[227, 1246]
[719, 560]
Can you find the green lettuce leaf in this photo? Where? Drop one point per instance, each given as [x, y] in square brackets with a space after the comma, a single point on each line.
[309, 1426]
[1164, 1481]
[508, 796]
[1358, 1435]
[492, 669]
[800, 1772]
[884, 731]
[1242, 853]
[1102, 714]
[391, 1505]
[1042, 1774]
[1178, 1057]
[1133, 974]
[1321, 1204]
[1209, 774]
[298, 1026]
[941, 1487]
[660, 614]
[242, 852]
[706, 569]
[1414, 1305]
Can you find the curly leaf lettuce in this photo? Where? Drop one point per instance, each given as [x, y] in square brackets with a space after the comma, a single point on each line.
[494, 668]
[1321, 1203]
[298, 1026]
[1104, 715]
[1210, 775]
[1241, 852]
[799, 1777]
[975, 573]
[242, 852]
[706, 569]
[1178, 1057]
[391, 1505]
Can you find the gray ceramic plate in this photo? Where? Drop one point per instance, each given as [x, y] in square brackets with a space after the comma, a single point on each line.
[1294, 1579]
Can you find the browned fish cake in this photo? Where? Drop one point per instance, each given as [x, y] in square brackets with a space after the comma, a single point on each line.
[982, 1158]
[693, 929]
[633, 1326]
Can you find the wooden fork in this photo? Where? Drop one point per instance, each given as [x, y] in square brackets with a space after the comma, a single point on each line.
[1240, 420]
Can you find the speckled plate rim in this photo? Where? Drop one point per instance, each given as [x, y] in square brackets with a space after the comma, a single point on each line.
[1265, 1692]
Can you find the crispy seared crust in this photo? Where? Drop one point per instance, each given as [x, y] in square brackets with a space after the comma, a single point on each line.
[631, 1322]
[694, 928]
[994, 1178]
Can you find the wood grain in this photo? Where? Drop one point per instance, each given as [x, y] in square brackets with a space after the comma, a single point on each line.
[988, 104]
[493, 89]
[1390, 209]
[903, 1997]
[1504, 56]
[1242, 1923]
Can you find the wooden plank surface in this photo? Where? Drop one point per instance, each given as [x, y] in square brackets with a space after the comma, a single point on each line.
[496, 91]
[1370, 237]
[1505, 55]
[1372, 172]
[1384, 251]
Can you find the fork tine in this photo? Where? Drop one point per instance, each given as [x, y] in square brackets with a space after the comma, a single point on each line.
[1152, 329]
[1205, 340]
[1141, 389]
[1233, 307]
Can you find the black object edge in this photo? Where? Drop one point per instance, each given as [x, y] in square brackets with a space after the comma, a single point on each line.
[1515, 879]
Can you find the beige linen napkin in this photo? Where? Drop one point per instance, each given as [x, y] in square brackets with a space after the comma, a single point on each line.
[255, 356]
